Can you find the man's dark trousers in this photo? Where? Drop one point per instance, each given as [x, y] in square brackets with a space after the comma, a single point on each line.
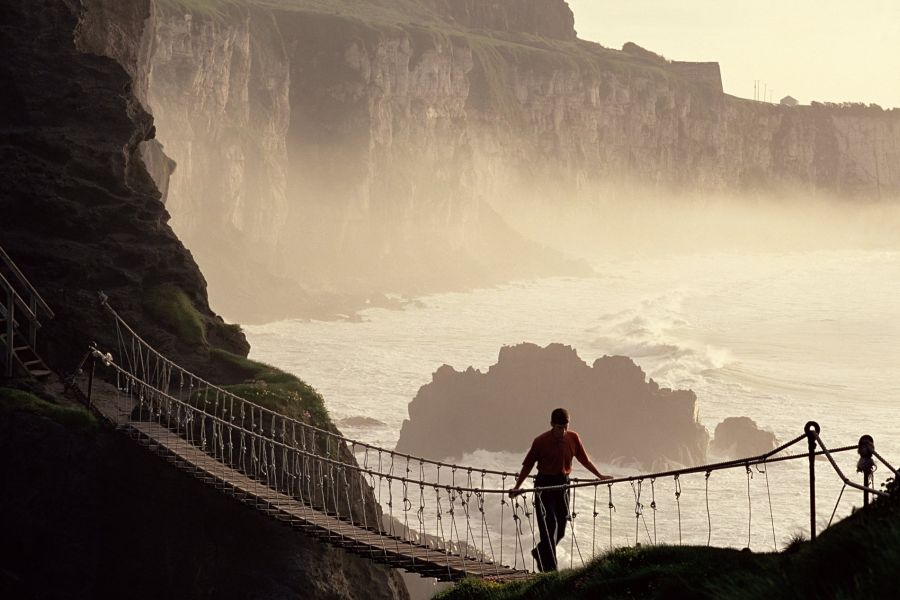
[551, 513]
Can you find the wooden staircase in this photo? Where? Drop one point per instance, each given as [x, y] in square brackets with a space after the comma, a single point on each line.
[20, 308]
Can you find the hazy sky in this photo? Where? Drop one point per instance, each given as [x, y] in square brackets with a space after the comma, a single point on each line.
[827, 50]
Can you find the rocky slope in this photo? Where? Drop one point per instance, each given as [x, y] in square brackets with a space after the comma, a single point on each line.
[88, 515]
[620, 415]
[362, 146]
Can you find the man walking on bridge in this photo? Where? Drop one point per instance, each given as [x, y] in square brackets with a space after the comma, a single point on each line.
[553, 452]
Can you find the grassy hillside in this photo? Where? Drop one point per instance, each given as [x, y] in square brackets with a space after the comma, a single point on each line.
[856, 558]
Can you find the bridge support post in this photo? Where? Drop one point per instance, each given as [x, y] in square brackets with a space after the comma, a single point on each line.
[812, 430]
[866, 465]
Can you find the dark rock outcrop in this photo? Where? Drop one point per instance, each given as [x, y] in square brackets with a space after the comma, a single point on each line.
[620, 415]
[738, 437]
[79, 211]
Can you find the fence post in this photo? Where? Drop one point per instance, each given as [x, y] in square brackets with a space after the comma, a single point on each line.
[866, 465]
[812, 430]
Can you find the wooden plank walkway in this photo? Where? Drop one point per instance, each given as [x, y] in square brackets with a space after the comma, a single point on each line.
[382, 548]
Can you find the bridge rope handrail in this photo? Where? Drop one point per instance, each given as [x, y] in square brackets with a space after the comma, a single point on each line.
[765, 458]
[120, 322]
[846, 480]
[271, 463]
[264, 445]
[884, 462]
[708, 468]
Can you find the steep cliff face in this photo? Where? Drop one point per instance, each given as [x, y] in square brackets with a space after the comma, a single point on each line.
[79, 213]
[620, 415]
[389, 146]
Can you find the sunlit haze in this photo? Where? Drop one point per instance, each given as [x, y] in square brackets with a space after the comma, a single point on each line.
[823, 50]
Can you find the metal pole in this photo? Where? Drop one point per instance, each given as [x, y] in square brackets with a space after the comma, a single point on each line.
[812, 429]
[866, 465]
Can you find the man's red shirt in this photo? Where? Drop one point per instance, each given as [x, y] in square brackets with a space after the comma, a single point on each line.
[554, 456]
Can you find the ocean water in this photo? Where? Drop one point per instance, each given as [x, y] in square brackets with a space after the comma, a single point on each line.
[782, 338]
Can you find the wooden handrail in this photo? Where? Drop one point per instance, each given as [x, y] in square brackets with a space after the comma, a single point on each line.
[24, 281]
[20, 303]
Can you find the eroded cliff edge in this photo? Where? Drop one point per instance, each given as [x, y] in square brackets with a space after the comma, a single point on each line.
[375, 146]
[87, 513]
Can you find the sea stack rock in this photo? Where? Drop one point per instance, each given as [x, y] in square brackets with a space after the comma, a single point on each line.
[620, 415]
[738, 437]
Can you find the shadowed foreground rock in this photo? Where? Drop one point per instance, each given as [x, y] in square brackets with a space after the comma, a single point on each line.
[617, 411]
[95, 516]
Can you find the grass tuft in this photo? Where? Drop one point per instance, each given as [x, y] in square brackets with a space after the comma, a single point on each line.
[274, 389]
[172, 308]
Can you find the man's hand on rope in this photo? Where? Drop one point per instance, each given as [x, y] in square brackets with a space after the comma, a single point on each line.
[515, 492]
[605, 478]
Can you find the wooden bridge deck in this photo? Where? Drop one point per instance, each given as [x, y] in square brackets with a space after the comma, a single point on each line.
[389, 550]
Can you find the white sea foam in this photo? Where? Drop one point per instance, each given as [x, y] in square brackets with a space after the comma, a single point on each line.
[781, 338]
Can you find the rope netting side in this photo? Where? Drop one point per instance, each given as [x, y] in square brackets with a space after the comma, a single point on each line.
[298, 463]
[276, 458]
[320, 468]
[147, 364]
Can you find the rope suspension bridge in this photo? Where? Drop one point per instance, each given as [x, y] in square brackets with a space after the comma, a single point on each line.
[437, 519]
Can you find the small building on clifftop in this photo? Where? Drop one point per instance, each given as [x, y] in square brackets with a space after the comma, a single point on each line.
[707, 74]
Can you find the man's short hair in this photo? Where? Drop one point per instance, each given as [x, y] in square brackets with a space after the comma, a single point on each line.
[559, 416]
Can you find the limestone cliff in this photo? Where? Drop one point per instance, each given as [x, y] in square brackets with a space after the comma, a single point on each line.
[389, 145]
[620, 415]
[89, 514]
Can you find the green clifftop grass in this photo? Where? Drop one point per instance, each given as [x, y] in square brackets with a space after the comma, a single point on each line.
[274, 389]
[856, 558]
[256, 382]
